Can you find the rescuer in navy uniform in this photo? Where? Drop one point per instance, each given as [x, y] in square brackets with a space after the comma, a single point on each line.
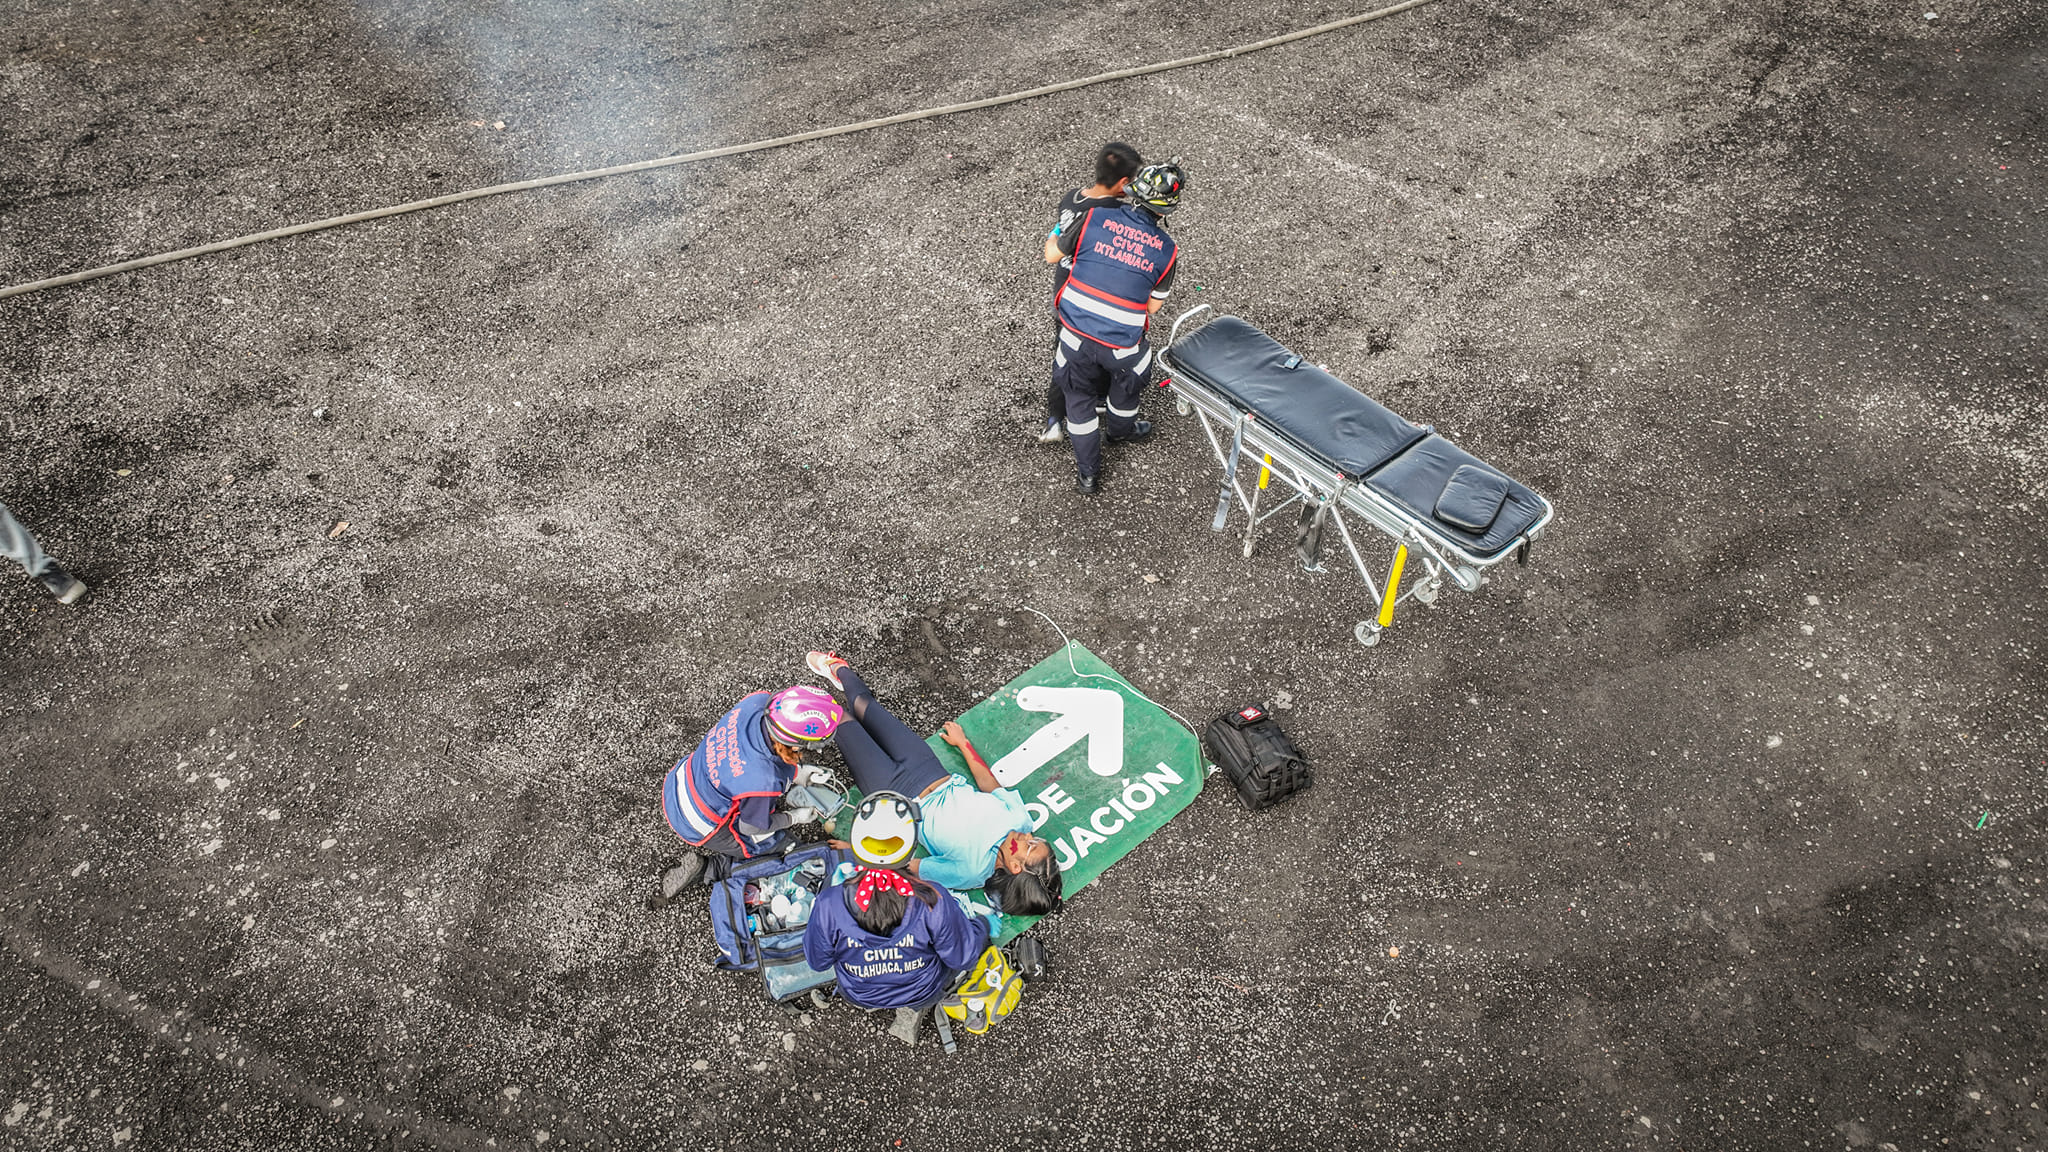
[1115, 164]
[725, 798]
[1123, 270]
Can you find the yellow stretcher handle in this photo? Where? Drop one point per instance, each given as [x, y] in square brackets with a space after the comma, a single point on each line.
[1265, 471]
[1393, 587]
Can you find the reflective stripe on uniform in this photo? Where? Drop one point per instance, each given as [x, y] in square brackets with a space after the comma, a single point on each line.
[1106, 297]
[699, 827]
[1059, 357]
[1121, 255]
[1116, 411]
[1070, 340]
[1087, 303]
[1085, 427]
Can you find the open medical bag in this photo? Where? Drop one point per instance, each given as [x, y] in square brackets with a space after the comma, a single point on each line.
[749, 939]
[1260, 760]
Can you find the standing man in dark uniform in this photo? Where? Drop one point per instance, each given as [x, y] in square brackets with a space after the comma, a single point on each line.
[1124, 265]
[1115, 164]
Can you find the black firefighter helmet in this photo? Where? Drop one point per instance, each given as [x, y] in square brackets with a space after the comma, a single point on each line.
[1158, 187]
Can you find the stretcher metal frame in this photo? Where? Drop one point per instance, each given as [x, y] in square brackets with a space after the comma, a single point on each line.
[1321, 493]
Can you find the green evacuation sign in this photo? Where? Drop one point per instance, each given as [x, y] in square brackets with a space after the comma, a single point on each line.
[1100, 767]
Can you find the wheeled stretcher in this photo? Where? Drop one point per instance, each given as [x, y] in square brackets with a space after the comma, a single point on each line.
[1344, 457]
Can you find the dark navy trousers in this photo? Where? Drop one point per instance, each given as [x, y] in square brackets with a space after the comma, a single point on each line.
[1087, 372]
[880, 750]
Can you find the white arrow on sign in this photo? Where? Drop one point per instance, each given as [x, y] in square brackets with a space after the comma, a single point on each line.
[1092, 714]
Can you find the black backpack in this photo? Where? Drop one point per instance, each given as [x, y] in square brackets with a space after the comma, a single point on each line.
[1261, 761]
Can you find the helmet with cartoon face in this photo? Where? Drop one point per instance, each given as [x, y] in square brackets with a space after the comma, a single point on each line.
[884, 828]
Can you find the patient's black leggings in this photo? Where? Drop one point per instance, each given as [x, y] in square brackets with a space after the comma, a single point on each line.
[882, 752]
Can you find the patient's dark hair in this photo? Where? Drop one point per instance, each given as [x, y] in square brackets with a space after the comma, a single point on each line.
[1117, 161]
[884, 913]
[1032, 892]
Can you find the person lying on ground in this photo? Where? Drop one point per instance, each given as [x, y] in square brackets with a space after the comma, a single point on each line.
[978, 833]
[725, 798]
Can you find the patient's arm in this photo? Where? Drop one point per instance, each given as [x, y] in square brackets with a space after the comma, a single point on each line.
[983, 778]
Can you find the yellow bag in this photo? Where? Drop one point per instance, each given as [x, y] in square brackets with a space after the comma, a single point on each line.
[989, 993]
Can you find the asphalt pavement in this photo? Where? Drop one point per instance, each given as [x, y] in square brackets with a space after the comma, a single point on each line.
[421, 548]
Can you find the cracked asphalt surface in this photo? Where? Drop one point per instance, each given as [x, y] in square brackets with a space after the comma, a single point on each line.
[1717, 826]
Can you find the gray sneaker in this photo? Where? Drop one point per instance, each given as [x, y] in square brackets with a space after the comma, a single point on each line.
[1053, 434]
[68, 589]
[906, 1026]
[684, 875]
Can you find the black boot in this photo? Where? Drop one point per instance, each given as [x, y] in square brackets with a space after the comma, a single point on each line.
[1141, 431]
[1087, 485]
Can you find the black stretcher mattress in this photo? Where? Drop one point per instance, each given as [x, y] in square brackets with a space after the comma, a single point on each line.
[1454, 492]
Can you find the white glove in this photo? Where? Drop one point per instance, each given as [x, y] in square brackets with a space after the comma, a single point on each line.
[819, 775]
[803, 815]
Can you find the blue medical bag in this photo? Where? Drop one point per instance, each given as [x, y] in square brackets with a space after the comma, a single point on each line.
[776, 952]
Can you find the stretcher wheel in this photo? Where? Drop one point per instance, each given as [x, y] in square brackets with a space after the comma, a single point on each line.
[1425, 592]
[1181, 406]
[1368, 633]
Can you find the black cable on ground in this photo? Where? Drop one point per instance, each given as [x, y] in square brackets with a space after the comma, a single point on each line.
[706, 154]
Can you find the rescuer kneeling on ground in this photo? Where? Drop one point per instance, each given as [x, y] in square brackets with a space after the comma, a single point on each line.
[891, 940]
[978, 834]
[725, 798]
[1123, 270]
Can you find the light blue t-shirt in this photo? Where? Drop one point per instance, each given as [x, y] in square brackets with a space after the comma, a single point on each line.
[963, 826]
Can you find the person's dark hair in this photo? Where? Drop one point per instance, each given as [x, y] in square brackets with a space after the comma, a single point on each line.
[1117, 161]
[1032, 892]
[884, 913]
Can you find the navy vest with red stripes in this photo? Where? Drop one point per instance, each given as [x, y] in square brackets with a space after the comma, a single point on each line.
[732, 762]
[1121, 256]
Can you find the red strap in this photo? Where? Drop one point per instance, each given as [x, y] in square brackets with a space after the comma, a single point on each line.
[1099, 294]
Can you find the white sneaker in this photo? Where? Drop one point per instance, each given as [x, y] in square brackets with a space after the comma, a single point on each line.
[1053, 434]
[827, 665]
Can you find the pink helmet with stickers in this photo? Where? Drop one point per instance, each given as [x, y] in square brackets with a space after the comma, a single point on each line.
[802, 716]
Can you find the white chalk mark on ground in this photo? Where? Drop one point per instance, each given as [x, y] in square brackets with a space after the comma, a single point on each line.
[1270, 131]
